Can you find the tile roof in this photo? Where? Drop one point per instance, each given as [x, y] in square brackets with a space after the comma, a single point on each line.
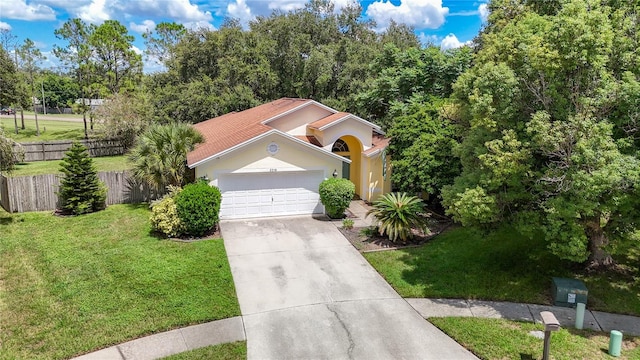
[229, 130]
[310, 139]
[378, 142]
[328, 120]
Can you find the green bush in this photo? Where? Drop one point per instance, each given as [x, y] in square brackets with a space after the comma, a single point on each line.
[81, 191]
[198, 207]
[164, 215]
[347, 224]
[336, 194]
[397, 214]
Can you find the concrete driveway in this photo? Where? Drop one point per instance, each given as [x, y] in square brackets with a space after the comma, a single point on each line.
[306, 293]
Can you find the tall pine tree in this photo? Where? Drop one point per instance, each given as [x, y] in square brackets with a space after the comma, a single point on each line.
[81, 191]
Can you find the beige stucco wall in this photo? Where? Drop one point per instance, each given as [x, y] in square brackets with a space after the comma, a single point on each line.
[255, 158]
[347, 127]
[296, 122]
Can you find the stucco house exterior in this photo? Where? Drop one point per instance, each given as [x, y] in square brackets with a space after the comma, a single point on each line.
[270, 160]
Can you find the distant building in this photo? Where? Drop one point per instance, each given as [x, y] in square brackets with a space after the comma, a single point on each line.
[93, 103]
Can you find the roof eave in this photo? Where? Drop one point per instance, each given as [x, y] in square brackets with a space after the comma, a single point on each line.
[301, 106]
[263, 135]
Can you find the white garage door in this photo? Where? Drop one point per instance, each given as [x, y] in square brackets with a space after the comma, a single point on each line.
[270, 194]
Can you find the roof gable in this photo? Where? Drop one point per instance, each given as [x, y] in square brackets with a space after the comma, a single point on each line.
[229, 130]
[304, 142]
[339, 117]
[233, 130]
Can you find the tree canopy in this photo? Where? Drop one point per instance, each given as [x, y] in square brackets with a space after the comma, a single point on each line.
[548, 114]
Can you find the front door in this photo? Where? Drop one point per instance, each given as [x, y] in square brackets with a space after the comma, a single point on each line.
[346, 169]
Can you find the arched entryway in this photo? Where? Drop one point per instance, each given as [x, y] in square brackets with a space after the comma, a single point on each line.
[351, 148]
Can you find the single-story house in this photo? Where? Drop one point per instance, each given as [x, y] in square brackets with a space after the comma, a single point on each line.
[270, 160]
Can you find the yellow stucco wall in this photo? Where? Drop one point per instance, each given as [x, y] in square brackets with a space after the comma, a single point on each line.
[376, 183]
[255, 158]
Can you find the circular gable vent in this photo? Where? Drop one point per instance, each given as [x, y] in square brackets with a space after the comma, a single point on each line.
[273, 148]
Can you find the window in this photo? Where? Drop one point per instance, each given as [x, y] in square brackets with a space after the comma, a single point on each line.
[340, 146]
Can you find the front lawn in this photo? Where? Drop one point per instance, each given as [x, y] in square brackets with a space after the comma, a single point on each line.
[49, 129]
[504, 339]
[107, 163]
[71, 285]
[505, 266]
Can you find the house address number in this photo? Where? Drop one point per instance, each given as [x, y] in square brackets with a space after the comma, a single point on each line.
[273, 170]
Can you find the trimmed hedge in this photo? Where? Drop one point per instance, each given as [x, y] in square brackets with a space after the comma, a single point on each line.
[336, 194]
[198, 207]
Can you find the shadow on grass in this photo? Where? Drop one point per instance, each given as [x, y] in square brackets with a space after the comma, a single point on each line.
[526, 357]
[503, 266]
[463, 263]
[5, 218]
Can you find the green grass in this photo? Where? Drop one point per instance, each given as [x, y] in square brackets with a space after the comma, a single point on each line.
[230, 351]
[49, 130]
[503, 339]
[503, 266]
[108, 163]
[71, 285]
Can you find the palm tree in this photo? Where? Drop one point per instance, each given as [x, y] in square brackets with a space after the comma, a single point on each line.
[396, 214]
[160, 154]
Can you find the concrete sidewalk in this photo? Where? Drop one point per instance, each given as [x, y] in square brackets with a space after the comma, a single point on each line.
[173, 342]
[594, 320]
[229, 330]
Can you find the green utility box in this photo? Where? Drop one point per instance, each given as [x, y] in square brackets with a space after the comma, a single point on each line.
[568, 292]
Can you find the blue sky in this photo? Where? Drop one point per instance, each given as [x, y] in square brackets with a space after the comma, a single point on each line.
[447, 23]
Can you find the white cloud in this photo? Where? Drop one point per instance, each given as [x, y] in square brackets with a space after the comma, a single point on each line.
[143, 27]
[136, 50]
[185, 11]
[287, 5]
[4, 26]
[94, 13]
[339, 4]
[419, 13]
[195, 25]
[451, 42]
[20, 10]
[483, 10]
[240, 10]
[247, 10]
[177, 10]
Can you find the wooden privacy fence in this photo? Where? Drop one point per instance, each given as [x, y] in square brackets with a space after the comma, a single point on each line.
[38, 192]
[55, 150]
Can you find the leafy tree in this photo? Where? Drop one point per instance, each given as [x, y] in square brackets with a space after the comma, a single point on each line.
[29, 57]
[81, 191]
[161, 43]
[546, 113]
[422, 148]
[117, 65]
[124, 117]
[160, 154]
[77, 55]
[397, 214]
[60, 90]
[8, 79]
[407, 74]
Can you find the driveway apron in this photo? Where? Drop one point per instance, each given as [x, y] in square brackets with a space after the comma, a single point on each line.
[306, 293]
